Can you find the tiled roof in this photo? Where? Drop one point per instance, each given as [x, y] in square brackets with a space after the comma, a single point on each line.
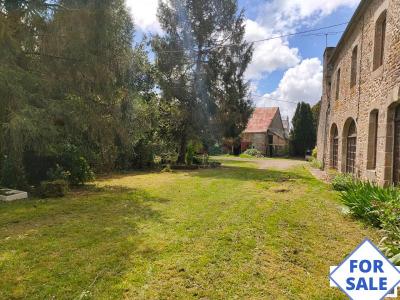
[261, 119]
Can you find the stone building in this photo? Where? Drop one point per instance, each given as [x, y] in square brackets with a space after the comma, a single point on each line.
[359, 128]
[265, 132]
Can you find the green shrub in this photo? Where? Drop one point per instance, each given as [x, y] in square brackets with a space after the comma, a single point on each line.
[379, 207]
[341, 182]
[315, 163]
[77, 166]
[215, 149]
[55, 188]
[253, 152]
[201, 160]
[389, 219]
[370, 202]
[190, 153]
[58, 173]
[364, 199]
[314, 153]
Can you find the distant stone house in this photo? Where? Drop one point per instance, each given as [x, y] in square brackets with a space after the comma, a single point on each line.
[359, 127]
[265, 132]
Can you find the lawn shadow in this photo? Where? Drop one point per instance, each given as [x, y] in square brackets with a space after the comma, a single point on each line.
[111, 190]
[88, 235]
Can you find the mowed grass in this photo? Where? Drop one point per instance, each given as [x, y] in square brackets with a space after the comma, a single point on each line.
[231, 233]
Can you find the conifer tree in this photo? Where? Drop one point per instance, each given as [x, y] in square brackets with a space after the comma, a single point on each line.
[199, 74]
[303, 135]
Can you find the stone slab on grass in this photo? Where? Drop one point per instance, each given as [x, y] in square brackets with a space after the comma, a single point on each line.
[11, 195]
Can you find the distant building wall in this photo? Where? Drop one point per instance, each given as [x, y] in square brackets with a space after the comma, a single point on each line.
[255, 140]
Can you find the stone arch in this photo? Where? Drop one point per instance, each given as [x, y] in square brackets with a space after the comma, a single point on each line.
[349, 146]
[334, 148]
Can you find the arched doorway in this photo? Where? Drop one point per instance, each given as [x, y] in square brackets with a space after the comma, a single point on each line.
[351, 148]
[334, 147]
[396, 147]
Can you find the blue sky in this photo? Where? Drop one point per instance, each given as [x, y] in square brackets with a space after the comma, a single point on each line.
[284, 69]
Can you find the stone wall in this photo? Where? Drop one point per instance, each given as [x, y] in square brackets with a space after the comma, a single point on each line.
[375, 89]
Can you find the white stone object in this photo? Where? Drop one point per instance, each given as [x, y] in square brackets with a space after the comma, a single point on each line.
[11, 195]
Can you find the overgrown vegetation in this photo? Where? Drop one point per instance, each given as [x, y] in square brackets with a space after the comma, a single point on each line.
[315, 163]
[78, 96]
[375, 205]
[342, 182]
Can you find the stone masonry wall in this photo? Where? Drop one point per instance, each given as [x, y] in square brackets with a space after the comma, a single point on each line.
[374, 90]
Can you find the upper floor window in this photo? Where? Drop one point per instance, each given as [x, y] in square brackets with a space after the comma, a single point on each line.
[380, 37]
[354, 63]
[337, 93]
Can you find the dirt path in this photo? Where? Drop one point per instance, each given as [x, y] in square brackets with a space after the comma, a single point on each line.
[270, 163]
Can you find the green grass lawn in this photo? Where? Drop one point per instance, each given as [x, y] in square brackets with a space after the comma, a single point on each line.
[231, 233]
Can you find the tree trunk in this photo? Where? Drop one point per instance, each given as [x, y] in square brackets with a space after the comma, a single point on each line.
[182, 150]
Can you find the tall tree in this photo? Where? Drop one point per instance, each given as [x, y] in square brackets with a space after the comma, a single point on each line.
[21, 23]
[228, 86]
[303, 135]
[198, 74]
[315, 110]
[72, 80]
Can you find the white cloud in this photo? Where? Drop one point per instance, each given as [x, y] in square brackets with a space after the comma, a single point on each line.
[270, 55]
[144, 14]
[300, 83]
[303, 80]
[286, 15]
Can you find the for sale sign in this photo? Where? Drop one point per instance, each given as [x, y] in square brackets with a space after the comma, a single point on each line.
[366, 274]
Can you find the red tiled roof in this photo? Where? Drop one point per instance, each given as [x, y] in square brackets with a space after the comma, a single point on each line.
[261, 119]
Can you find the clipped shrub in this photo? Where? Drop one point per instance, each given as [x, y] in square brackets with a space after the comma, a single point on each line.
[253, 152]
[53, 189]
[342, 182]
